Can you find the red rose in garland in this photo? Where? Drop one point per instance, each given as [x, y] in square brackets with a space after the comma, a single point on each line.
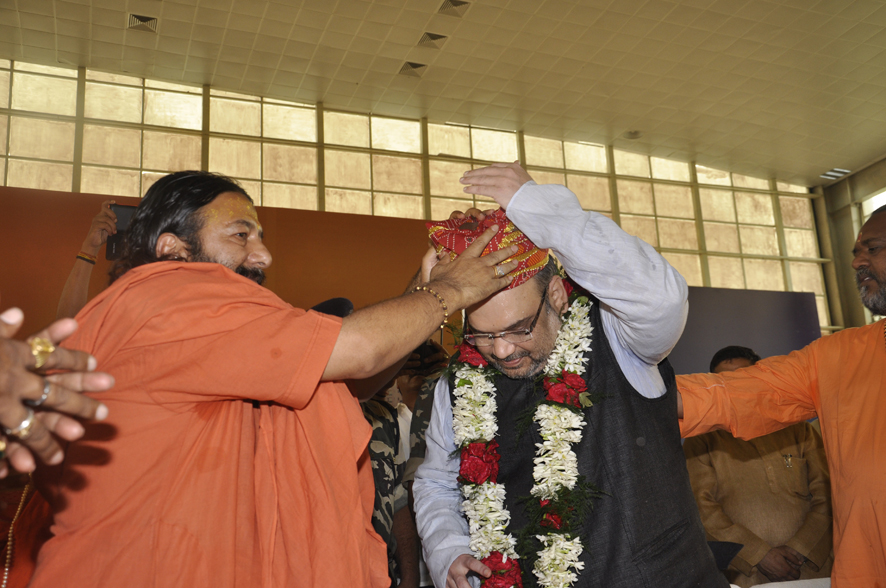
[469, 354]
[479, 463]
[575, 382]
[505, 574]
[569, 287]
[560, 392]
[552, 520]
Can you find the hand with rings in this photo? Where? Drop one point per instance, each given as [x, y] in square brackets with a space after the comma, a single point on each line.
[35, 407]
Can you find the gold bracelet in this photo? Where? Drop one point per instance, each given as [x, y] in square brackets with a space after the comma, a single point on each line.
[440, 300]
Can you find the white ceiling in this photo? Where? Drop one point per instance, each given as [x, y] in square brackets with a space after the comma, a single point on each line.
[785, 89]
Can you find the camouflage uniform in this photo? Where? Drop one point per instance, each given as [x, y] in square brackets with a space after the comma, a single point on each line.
[388, 464]
[421, 418]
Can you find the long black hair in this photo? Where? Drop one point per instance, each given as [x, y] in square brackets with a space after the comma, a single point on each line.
[171, 205]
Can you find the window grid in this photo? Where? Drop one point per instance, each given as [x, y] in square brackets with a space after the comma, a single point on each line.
[164, 119]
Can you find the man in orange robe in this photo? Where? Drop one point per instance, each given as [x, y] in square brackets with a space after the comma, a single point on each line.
[842, 379]
[233, 455]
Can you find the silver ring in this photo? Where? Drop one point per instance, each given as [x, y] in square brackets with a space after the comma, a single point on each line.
[47, 387]
[23, 430]
[500, 273]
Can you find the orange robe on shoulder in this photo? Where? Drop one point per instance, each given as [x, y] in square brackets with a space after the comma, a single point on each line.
[842, 379]
[225, 462]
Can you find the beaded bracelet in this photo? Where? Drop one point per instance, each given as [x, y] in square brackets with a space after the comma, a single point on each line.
[440, 300]
[86, 257]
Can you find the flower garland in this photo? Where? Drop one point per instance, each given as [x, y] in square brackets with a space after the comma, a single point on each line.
[560, 490]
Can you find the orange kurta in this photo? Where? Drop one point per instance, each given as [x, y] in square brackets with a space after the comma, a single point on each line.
[842, 379]
[224, 461]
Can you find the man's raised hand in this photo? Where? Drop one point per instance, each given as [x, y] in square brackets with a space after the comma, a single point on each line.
[499, 181]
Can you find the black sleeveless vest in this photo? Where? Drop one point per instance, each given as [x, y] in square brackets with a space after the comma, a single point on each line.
[646, 531]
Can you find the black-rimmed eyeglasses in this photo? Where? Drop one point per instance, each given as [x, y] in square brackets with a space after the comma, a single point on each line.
[517, 336]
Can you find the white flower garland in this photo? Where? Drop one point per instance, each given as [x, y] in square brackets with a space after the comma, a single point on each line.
[556, 465]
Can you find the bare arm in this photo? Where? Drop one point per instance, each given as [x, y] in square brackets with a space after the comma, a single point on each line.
[76, 290]
[376, 337]
[407, 548]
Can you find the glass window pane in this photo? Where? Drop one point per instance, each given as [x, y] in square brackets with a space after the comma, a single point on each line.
[445, 175]
[635, 197]
[688, 265]
[740, 181]
[4, 89]
[235, 117]
[721, 237]
[396, 134]
[754, 208]
[717, 205]
[113, 102]
[671, 200]
[640, 226]
[806, 277]
[800, 243]
[677, 234]
[726, 272]
[350, 170]
[351, 201]
[40, 175]
[2, 171]
[396, 174]
[289, 163]
[796, 212]
[170, 152]
[100, 76]
[112, 146]
[764, 274]
[148, 179]
[631, 164]
[666, 169]
[168, 109]
[239, 159]
[758, 240]
[289, 196]
[592, 191]
[113, 182]
[709, 175]
[546, 177]
[584, 157]
[398, 205]
[236, 95]
[441, 208]
[340, 128]
[42, 139]
[544, 152]
[286, 122]
[176, 87]
[449, 140]
[821, 306]
[46, 69]
[44, 94]
[4, 127]
[252, 188]
[494, 145]
[785, 187]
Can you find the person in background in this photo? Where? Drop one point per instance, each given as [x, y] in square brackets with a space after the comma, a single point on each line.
[770, 494]
[839, 378]
[76, 291]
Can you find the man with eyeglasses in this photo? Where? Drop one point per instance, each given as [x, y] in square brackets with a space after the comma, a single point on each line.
[643, 528]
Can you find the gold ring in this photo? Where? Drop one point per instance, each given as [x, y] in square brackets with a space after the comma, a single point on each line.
[41, 349]
[23, 430]
[2, 448]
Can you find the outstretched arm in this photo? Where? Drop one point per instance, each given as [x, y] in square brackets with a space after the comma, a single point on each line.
[374, 338]
[76, 290]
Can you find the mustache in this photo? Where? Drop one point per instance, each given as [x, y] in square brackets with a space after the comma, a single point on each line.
[863, 274]
[511, 357]
[253, 273]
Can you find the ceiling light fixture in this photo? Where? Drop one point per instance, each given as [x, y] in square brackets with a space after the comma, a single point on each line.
[835, 173]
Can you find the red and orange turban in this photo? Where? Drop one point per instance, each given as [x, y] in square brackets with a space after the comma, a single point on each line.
[455, 235]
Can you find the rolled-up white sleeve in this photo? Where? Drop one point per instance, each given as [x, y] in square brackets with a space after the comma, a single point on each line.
[438, 516]
[643, 298]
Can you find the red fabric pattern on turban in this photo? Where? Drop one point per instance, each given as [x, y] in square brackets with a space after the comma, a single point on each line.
[455, 235]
